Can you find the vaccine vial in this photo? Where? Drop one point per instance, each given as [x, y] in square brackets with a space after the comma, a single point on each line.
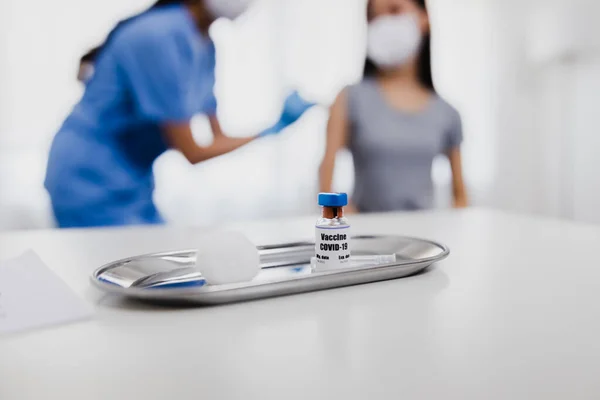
[332, 240]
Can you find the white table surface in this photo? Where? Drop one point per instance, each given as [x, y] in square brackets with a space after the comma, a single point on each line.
[513, 313]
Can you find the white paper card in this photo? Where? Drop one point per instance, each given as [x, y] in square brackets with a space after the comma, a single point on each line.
[32, 296]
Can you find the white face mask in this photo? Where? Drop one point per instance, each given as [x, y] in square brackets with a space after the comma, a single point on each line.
[393, 40]
[227, 8]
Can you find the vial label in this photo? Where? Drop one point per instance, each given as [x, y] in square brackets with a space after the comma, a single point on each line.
[332, 247]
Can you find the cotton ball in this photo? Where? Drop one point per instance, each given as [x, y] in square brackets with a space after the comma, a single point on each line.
[227, 257]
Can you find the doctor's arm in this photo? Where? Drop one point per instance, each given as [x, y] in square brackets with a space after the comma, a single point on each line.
[180, 137]
[158, 76]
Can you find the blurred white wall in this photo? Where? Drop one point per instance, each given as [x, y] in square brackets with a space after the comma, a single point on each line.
[529, 120]
[548, 90]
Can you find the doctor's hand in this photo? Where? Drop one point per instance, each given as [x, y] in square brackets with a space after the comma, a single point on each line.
[295, 106]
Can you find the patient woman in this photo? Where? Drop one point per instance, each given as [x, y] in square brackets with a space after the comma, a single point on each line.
[393, 121]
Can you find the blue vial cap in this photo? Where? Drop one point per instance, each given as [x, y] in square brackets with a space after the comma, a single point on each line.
[333, 199]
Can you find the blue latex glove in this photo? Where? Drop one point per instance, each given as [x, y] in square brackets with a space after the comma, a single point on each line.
[294, 107]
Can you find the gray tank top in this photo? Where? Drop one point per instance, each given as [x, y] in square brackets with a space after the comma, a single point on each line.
[393, 150]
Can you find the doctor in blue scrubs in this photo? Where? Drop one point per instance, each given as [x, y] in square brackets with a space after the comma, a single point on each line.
[152, 75]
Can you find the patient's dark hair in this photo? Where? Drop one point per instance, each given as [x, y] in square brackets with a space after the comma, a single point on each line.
[424, 61]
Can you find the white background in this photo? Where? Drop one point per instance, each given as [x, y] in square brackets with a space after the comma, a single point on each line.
[524, 74]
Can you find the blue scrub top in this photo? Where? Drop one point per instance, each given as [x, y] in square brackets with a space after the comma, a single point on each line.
[156, 68]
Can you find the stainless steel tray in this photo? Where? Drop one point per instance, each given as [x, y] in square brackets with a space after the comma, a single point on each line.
[171, 277]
